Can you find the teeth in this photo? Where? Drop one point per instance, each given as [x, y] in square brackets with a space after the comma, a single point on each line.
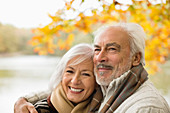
[101, 66]
[104, 66]
[76, 90]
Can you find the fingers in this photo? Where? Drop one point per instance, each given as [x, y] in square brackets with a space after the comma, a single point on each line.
[22, 106]
[19, 108]
[31, 108]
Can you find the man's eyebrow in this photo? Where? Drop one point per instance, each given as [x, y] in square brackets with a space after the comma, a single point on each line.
[113, 44]
[110, 44]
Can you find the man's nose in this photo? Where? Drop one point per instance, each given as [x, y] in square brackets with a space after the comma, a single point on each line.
[76, 79]
[102, 56]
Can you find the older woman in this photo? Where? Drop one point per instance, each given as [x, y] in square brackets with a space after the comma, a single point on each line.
[73, 83]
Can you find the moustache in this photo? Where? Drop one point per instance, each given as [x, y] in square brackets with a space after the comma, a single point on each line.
[104, 66]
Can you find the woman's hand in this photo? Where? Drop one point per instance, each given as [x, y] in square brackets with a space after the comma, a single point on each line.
[22, 106]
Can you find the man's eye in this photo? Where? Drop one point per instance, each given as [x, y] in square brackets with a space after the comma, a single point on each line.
[111, 49]
[85, 74]
[69, 71]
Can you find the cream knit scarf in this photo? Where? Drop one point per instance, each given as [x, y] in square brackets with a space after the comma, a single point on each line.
[63, 105]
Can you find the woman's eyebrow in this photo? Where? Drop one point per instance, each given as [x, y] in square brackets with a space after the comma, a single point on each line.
[96, 46]
[86, 70]
[70, 67]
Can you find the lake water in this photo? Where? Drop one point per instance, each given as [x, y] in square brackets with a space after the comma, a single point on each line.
[21, 75]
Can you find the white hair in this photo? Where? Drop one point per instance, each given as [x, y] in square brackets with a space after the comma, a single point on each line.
[82, 51]
[136, 34]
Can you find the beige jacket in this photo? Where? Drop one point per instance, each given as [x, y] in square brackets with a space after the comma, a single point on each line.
[146, 99]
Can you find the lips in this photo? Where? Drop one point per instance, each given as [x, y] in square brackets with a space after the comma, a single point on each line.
[77, 90]
[104, 67]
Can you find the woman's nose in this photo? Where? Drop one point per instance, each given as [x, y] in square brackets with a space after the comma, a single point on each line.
[76, 79]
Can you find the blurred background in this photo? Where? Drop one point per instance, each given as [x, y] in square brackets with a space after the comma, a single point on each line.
[35, 34]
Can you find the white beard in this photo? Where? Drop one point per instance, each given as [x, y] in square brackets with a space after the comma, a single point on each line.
[118, 72]
[103, 81]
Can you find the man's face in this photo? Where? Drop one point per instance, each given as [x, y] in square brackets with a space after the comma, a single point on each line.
[111, 55]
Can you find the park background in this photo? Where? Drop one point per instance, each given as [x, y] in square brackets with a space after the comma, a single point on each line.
[34, 35]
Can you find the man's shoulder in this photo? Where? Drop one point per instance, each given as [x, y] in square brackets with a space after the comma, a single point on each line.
[147, 95]
[148, 89]
[145, 98]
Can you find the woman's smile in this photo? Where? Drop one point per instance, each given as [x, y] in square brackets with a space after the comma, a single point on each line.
[75, 90]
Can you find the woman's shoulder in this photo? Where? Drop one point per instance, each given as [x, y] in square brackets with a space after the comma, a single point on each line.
[44, 106]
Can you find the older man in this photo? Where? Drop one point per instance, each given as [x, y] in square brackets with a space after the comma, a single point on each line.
[118, 61]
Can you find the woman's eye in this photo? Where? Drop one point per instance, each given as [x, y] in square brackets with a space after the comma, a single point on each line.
[69, 71]
[96, 49]
[86, 74]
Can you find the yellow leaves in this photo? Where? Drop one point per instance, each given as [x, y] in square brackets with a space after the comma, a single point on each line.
[111, 8]
[37, 49]
[43, 44]
[155, 13]
[68, 4]
[35, 41]
[51, 51]
[55, 18]
[156, 26]
[153, 18]
[66, 44]
[70, 39]
[67, 28]
[42, 52]
[38, 38]
[157, 50]
[61, 44]
[152, 67]
[148, 27]
[84, 25]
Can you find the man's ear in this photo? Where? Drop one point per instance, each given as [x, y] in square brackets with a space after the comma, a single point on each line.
[136, 59]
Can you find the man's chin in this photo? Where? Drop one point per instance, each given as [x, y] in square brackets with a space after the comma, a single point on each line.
[102, 81]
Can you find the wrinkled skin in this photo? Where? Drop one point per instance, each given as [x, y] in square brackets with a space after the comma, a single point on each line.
[112, 55]
[22, 106]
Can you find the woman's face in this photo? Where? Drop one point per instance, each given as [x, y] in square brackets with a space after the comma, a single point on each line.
[78, 80]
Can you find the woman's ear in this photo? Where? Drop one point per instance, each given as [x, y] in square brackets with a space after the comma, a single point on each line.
[136, 59]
